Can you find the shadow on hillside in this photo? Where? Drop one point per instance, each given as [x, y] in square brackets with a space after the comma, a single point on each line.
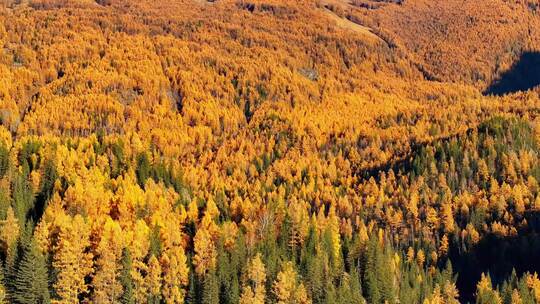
[522, 76]
[497, 256]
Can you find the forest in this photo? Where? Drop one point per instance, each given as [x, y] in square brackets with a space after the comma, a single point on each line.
[269, 151]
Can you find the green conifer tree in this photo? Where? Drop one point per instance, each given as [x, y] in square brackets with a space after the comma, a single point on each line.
[143, 169]
[371, 283]
[126, 279]
[210, 294]
[31, 279]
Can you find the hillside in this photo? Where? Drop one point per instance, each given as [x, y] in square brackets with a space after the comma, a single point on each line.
[266, 151]
[458, 41]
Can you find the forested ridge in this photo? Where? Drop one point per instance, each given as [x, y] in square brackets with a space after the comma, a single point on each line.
[266, 151]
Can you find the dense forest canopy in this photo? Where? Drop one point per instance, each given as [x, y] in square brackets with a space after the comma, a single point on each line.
[266, 151]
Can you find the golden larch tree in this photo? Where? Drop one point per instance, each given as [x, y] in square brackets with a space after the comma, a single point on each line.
[72, 259]
[107, 288]
[253, 289]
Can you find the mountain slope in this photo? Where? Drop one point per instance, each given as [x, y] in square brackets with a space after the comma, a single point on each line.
[265, 151]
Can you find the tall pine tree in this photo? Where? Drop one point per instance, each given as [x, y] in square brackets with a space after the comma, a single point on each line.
[126, 280]
[31, 280]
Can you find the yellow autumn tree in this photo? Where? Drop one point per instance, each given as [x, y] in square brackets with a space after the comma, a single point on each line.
[516, 297]
[485, 292]
[287, 288]
[9, 234]
[253, 289]
[107, 288]
[436, 297]
[450, 293]
[72, 259]
[139, 247]
[443, 247]
[534, 285]
[205, 252]
[153, 282]
[333, 226]
[175, 274]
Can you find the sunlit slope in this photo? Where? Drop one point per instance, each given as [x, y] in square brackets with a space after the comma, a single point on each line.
[464, 41]
[158, 69]
[259, 151]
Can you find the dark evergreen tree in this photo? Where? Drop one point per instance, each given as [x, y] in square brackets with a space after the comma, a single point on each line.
[23, 196]
[191, 296]
[350, 289]
[227, 276]
[155, 242]
[50, 176]
[210, 291]
[385, 275]
[316, 277]
[31, 279]
[4, 160]
[371, 283]
[143, 169]
[126, 279]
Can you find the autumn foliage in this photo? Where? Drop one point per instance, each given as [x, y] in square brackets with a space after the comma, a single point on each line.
[262, 152]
